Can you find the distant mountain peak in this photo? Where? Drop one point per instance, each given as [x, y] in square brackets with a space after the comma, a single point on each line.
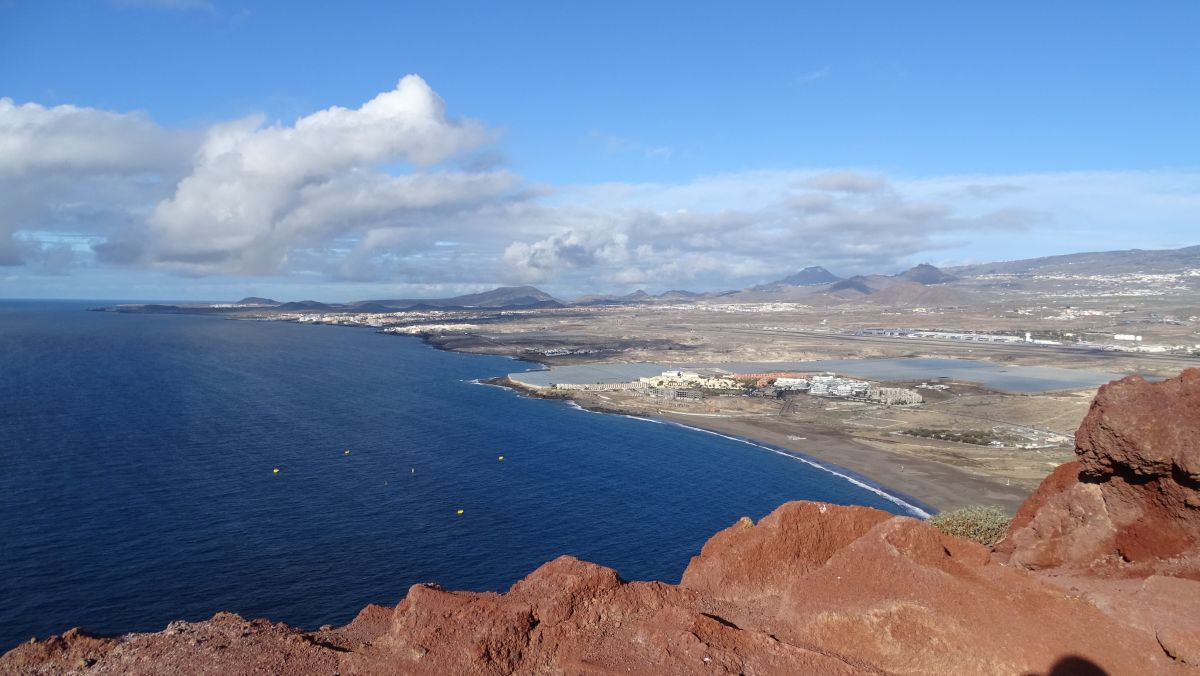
[303, 305]
[856, 283]
[926, 274]
[506, 296]
[811, 276]
[255, 300]
[814, 275]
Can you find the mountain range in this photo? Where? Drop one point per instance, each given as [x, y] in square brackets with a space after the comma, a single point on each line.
[923, 284]
[1149, 261]
[504, 297]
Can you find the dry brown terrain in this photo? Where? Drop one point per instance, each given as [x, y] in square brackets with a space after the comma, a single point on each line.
[872, 440]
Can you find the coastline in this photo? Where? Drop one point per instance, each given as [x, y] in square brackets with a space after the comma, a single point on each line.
[915, 507]
[933, 486]
[926, 485]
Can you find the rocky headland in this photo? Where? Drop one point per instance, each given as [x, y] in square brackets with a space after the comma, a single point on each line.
[1099, 574]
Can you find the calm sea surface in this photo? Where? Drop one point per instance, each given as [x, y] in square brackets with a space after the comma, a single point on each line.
[136, 483]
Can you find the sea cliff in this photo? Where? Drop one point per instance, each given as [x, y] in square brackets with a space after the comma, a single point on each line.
[1099, 573]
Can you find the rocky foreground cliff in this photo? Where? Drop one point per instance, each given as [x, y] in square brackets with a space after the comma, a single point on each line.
[1099, 573]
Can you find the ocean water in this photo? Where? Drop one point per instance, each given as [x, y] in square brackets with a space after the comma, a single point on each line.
[137, 484]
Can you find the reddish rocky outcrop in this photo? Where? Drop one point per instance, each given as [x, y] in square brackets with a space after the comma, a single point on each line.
[1130, 505]
[1095, 577]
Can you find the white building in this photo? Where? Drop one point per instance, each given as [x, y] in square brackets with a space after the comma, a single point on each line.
[800, 384]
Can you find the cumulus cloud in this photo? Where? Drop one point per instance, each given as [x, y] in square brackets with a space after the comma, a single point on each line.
[80, 170]
[72, 140]
[846, 220]
[572, 249]
[258, 191]
[396, 191]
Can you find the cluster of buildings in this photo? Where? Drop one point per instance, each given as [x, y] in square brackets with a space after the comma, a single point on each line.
[830, 385]
[680, 384]
[969, 337]
[425, 329]
[690, 380]
[598, 387]
[677, 380]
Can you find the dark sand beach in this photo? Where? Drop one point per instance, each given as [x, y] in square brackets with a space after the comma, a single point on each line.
[934, 483]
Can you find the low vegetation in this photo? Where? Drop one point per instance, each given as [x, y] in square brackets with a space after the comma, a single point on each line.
[976, 437]
[983, 524]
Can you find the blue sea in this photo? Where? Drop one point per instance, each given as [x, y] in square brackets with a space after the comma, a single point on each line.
[137, 484]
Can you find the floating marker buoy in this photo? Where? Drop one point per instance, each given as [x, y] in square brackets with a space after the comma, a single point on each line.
[460, 512]
[346, 452]
[275, 471]
[501, 457]
[414, 470]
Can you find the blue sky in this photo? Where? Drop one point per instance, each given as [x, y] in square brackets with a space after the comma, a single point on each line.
[598, 147]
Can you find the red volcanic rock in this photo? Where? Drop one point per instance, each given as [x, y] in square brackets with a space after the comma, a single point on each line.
[1093, 578]
[1139, 429]
[902, 597]
[864, 592]
[1131, 504]
[225, 644]
[749, 562]
[572, 617]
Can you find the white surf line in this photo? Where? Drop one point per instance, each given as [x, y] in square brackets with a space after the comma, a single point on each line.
[638, 417]
[722, 415]
[913, 509]
[479, 381]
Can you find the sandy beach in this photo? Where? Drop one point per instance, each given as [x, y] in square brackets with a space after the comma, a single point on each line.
[934, 483]
[929, 482]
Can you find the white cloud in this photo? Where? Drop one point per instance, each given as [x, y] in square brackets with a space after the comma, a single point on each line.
[396, 192]
[258, 191]
[70, 170]
[759, 225]
[72, 140]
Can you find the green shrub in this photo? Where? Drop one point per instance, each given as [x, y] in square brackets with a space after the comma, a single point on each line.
[985, 525]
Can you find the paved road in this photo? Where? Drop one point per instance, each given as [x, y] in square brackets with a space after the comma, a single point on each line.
[1176, 362]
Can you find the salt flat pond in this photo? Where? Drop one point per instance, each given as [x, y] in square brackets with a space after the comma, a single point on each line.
[1001, 377]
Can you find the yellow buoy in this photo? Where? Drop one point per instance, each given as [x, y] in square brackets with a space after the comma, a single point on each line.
[275, 471]
[460, 512]
[501, 457]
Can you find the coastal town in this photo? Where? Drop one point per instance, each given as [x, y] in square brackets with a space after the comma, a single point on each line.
[956, 385]
[680, 384]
